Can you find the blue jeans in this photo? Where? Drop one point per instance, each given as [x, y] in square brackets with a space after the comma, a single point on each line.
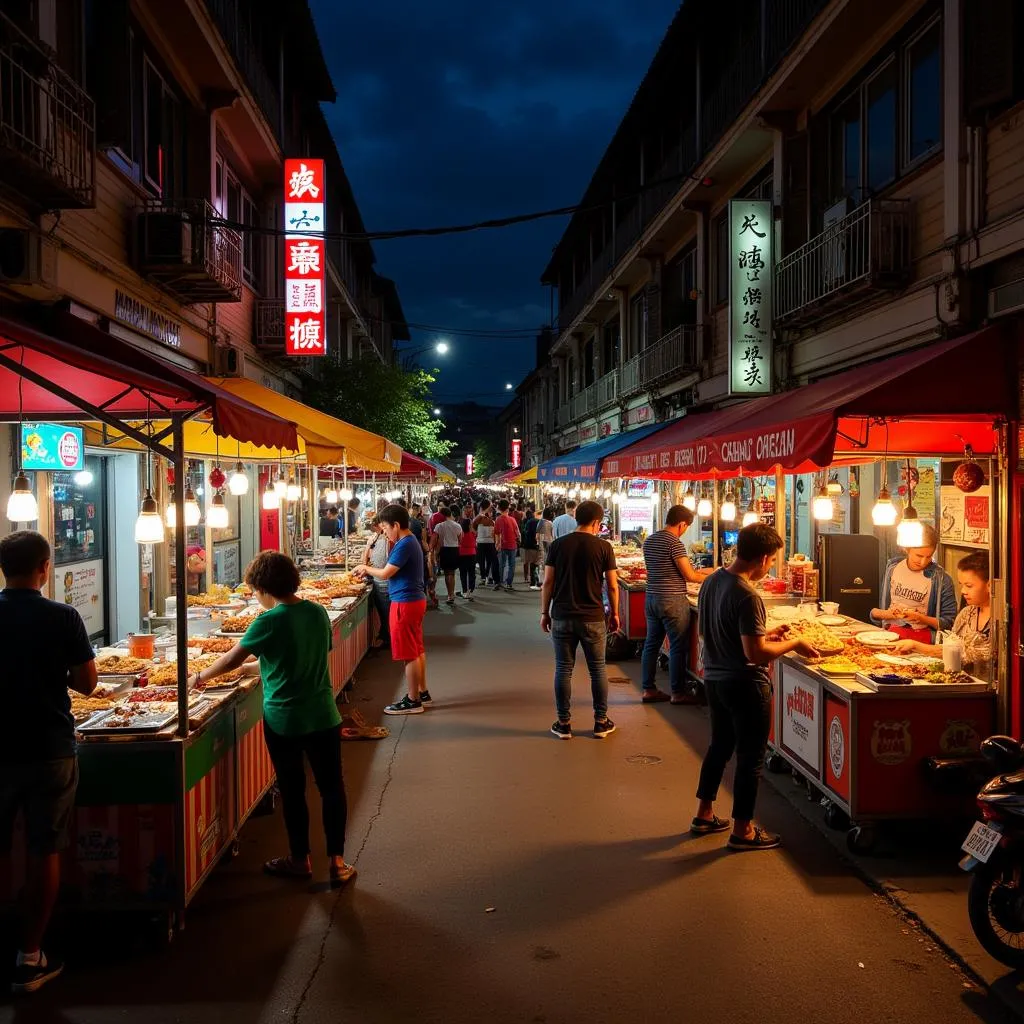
[666, 616]
[566, 634]
[508, 567]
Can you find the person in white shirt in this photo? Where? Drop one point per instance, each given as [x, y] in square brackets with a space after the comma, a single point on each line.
[566, 522]
[445, 546]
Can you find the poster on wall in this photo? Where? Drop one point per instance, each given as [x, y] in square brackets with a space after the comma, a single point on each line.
[80, 585]
[636, 514]
[965, 518]
[801, 718]
[227, 568]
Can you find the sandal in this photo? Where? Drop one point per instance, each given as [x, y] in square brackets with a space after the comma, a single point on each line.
[761, 840]
[706, 826]
[655, 697]
[285, 867]
[340, 876]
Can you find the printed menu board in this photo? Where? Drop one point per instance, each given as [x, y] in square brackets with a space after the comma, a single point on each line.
[80, 585]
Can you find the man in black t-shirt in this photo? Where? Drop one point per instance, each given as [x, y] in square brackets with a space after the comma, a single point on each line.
[578, 568]
[46, 650]
[531, 548]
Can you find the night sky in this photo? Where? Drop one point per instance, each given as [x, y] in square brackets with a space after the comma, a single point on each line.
[464, 111]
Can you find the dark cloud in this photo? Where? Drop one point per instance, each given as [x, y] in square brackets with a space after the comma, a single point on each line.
[462, 112]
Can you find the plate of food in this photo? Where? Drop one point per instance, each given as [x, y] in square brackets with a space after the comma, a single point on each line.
[877, 638]
[831, 620]
[838, 666]
[121, 665]
[892, 659]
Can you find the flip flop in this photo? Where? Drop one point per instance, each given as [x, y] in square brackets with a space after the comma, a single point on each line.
[284, 867]
[705, 826]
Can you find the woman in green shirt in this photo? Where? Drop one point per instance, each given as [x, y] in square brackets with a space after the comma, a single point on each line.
[292, 639]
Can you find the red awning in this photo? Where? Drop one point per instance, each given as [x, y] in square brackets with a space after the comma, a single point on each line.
[88, 371]
[412, 468]
[927, 402]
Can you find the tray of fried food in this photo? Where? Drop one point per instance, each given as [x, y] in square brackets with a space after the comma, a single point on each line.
[820, 637]
[218, 594]
[225, 681]
[121, 665]
[133, 718]
[236, 625]
[167, 675]
[83, 708]
[211, 644]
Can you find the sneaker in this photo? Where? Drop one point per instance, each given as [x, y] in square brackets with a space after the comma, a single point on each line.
[563, 730]
[603, 728]
[469, 596]
[509, 590]
[762, 839]
[405, 706]
[451, 600]
[496, 587]
[32, 977]
[533, 586]
[425, 698]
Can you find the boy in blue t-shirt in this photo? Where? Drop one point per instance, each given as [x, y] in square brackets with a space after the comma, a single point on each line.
[404, 573]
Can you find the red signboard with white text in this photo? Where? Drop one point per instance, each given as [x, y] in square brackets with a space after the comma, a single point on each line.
[305, 258]
[517, 452]
[470, 464]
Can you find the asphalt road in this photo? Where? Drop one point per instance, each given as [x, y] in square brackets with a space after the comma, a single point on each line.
[505, 875]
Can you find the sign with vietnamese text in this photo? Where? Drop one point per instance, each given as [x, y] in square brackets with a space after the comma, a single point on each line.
[146, 320]
[801, 718]
[636, 514]
[750, 296]
[81, 586]
[470, 464]
[517, 452]
[52, 446]
[305, 258]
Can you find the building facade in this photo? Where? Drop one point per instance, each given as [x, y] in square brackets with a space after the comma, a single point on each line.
[882, 139]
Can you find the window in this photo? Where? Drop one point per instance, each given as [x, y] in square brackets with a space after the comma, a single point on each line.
[924, 85]
[162, 133]
[234, 204]
[891, 120]
[611, 338]
[638, 323]
[720, 236]
[589, 374]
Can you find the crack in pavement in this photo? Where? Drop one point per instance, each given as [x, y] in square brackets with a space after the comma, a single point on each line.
[322, 955]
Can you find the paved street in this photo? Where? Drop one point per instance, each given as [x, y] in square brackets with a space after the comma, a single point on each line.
[507, 876]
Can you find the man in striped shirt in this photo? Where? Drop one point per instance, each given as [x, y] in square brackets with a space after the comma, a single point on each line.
[667, 606]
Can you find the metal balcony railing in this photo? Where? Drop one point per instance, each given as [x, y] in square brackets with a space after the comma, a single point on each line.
[269, 332]
[865, 251]
[583, 403]
[47, 126]
[564, 415]
[673, 355]
[607, 390]
[183, 246]
[629, 377]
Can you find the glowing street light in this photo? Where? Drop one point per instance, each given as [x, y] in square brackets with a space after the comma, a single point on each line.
[437, 412]
[441, 348]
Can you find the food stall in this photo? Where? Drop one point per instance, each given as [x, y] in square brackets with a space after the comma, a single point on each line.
[923, 436]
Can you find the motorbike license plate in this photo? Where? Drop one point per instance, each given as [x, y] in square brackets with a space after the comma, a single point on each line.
[981, 841]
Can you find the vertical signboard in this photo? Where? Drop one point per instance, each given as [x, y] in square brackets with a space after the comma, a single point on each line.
[517, 452]
[305, 258]
[750, 296]
[470, 464]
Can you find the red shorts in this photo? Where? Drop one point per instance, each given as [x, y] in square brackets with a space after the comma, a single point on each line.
[406, 622]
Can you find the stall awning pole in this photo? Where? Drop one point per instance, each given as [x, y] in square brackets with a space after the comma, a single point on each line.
[180, 579]
[344, 490]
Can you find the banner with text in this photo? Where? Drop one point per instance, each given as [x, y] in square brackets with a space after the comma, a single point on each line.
[305, 258]
[751, 225]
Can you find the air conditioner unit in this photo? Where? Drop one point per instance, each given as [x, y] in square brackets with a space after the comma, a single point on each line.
[164, 238]
[26, 260]
[229, 361]
[1006, 298]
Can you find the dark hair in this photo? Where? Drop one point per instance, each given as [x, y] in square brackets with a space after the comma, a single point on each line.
[756, 541]
[484, 505]
[22, 553]
[395, 515]
[272, 573]
[446, 512]
[678, 514]
[549, 513]
[976, 562]
[402, 502]
[503, 504]
[570, 505]
[333, 510]
[588, 512]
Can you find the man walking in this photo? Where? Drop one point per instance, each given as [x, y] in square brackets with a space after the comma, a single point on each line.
[667, 607]
[445, 546]
[738, 652]
[507, 538]
[531, 549]
[404, 573]
[566, 522]
[38, 764]
[486, 551]
[572, 611]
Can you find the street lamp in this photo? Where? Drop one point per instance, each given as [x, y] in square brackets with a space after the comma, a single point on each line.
[508, 387]
[437, 412]
[440, 347]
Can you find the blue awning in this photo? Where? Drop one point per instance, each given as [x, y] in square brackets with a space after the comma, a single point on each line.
[584, 464]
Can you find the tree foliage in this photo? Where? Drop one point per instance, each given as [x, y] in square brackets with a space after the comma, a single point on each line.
[488, 457]
[388, 400]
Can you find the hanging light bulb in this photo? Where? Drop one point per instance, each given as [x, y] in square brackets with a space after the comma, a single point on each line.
[884, 511]
[305, 494]
[293, 491]
[690, 500]
[217, 513]
[750, 517]
[238, 483]
[824, 509]
[727, 512]
[617, 498]
[148, 527]
[193, 513]
[834, 486]
[22, 506]
[910, 532]
[704, 507]
[345, 494]
[271, 500]
[171, 516]
[280, 486]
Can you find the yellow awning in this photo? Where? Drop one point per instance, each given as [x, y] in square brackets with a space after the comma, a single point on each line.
[529, 477]
[326, 441]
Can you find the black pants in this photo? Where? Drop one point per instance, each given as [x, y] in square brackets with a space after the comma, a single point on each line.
[487, 559]
[323, 749]
[740, 721]
[381, 601]
[467, 573]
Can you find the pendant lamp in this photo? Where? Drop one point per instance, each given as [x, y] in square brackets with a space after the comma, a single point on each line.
[217, 513]
[824, 509]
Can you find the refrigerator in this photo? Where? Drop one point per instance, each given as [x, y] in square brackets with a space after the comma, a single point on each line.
[849, 567]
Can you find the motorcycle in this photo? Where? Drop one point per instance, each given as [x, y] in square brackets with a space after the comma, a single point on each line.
[994, 855]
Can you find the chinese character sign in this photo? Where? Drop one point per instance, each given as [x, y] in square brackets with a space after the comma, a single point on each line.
[750, 296]
[517, 452]
[305, 256]
[470, 464]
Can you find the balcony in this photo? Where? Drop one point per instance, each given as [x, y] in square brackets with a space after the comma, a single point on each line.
[182, 246]
[563, 415]
[675, 354]
[865, 252]
[269, 328]
[47, 126]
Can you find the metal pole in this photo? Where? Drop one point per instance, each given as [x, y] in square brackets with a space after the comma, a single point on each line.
[780, 518]
[714, 520]
[180, 577]
[344, 487]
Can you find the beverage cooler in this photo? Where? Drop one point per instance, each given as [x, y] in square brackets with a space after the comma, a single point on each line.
[849, 565]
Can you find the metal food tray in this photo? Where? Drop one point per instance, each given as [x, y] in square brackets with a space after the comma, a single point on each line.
[921, 686]
[142, 724]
